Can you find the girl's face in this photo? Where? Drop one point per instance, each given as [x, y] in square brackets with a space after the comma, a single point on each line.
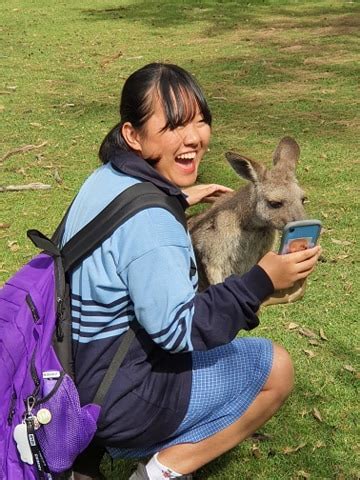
[178, 152]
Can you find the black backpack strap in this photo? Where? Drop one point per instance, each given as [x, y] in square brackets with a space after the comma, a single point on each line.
[114, 366]
[131, 201]
[43, 243]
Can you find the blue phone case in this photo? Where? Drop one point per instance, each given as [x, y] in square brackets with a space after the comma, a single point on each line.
[300, 235]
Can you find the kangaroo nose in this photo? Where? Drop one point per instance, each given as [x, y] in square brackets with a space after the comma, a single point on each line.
[300, 215]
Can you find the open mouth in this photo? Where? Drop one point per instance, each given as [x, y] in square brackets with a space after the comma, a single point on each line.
[186, 161]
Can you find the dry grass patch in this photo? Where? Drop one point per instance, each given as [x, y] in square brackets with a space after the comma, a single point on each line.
[333, 57]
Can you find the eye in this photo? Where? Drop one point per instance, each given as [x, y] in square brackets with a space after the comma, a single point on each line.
[274, 204]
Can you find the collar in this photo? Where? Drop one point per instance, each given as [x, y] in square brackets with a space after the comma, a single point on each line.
[135, 166]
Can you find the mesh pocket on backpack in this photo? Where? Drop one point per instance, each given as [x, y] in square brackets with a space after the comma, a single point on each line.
[71, 427]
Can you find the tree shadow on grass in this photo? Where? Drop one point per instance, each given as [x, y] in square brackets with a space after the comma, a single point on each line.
[222, 16]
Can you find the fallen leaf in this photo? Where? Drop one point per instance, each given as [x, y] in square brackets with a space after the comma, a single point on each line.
[317, 414]
[314, 342]
[307, 332]
[303, 474]
[13, 245]
[292, 326]
[255, 451]
[4, 225]
[343, 256]
[110, 59]
[288, 450]
[310, 353]
[319, 444]
[322, 334]
[340, 242]
[349, 368]
[57, 177]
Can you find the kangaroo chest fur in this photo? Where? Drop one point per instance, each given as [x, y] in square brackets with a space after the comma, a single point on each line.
[228, 249]
[225, 243]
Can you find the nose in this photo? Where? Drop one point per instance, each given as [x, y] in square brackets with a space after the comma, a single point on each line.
[191, 135]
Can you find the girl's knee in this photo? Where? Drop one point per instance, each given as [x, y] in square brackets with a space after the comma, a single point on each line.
[281, 378]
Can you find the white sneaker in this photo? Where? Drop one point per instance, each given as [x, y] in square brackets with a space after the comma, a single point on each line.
[141, 474]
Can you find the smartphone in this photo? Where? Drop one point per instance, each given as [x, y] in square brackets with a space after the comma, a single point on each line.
[299, 235]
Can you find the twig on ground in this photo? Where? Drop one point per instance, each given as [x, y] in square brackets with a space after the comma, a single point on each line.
[30, 186]
[25, 148]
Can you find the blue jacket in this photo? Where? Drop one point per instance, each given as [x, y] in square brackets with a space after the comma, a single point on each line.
[141, 273]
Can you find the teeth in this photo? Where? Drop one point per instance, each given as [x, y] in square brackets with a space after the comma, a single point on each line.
[187, 156]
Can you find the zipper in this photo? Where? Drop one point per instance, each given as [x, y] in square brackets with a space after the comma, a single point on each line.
[34, 375]
[12, 408]
[33, 309]
[60, 288]
[59, 319]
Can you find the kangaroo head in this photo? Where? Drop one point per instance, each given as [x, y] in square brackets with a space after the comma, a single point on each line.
[276, 197]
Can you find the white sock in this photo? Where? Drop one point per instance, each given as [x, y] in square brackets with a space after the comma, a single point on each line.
[158, 471]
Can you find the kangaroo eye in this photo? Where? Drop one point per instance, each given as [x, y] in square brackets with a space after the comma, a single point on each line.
[274, 204]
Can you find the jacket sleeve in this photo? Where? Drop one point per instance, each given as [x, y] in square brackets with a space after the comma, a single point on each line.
[222, 310]
[176, 317]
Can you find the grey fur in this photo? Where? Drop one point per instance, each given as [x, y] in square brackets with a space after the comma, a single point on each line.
[232, 235]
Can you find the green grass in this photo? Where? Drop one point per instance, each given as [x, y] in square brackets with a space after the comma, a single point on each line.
[269, 69]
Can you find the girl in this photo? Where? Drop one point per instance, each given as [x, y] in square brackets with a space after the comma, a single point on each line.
[187, 391]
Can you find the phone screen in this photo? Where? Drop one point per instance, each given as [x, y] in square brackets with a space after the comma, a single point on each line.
[299, 237]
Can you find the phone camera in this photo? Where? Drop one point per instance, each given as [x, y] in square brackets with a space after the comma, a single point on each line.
[292, 229]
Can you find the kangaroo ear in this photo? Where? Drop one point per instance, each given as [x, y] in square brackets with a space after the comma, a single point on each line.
[287, 153]
[245, 167]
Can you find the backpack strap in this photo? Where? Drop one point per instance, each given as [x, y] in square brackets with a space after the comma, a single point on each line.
[114, 365]
[131, 201]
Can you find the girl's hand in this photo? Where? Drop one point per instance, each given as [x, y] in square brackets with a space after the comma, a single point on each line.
[205, 193]
[285, 270]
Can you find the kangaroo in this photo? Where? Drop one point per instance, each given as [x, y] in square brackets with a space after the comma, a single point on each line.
[232, 235]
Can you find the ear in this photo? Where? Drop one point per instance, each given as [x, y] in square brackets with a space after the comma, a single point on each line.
[246, 168]
[131, 136]
[287, 153]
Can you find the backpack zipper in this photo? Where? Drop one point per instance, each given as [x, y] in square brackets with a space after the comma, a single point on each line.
[12, 408]
[60, 288]
[33, 309]
[59, 319]
[34, 374]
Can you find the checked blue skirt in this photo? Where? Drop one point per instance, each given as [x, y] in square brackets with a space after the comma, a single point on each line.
[226, 380]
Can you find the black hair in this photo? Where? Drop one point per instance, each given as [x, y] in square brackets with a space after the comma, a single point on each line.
[180, 95]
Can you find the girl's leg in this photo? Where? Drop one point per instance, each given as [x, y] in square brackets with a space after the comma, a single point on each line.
[188, 457]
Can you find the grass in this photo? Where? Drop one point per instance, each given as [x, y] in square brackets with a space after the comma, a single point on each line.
[269, 68]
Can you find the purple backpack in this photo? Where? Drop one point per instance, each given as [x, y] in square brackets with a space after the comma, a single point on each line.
[43, 426]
